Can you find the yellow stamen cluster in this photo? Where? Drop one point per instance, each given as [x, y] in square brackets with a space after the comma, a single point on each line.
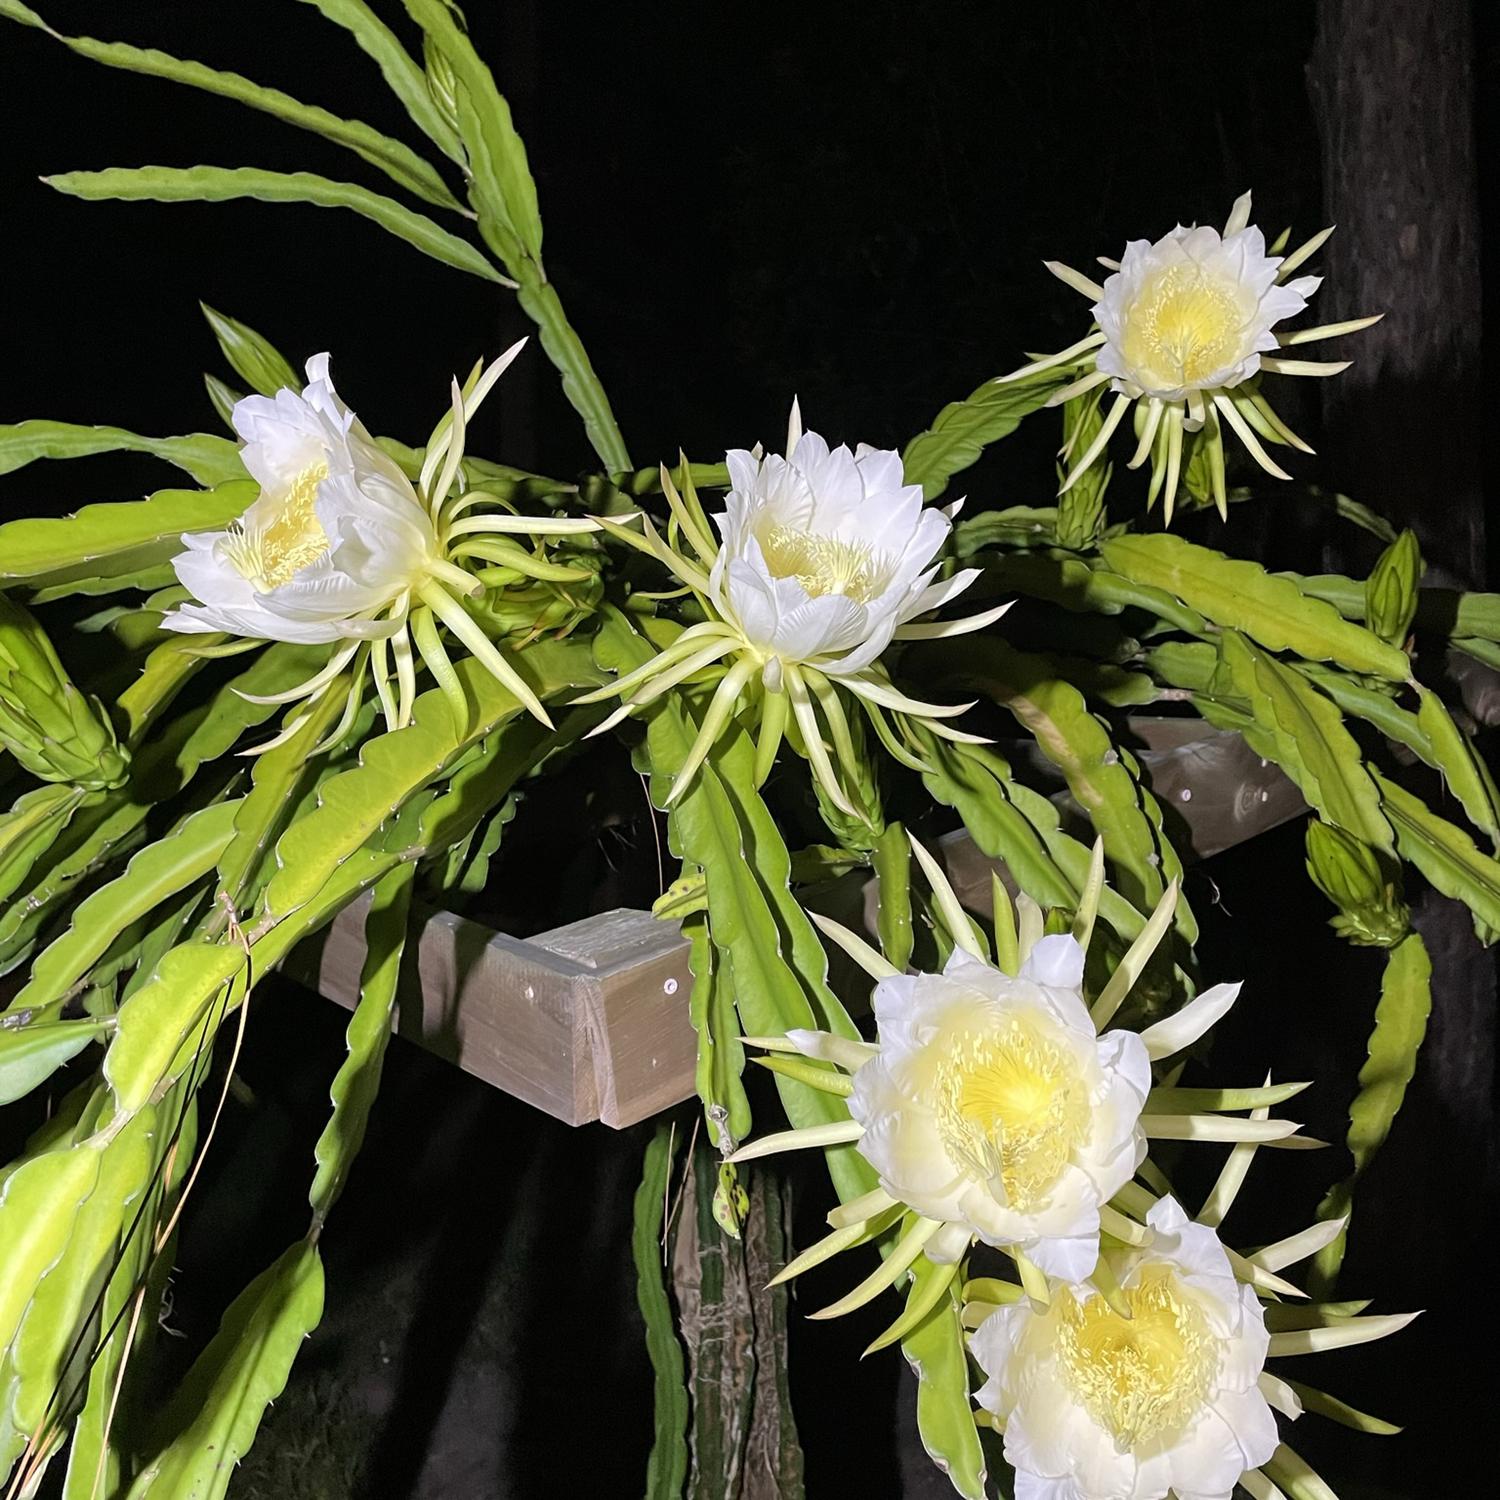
[822, 564]
[1011, 1103]
[1184, 326]
[271, 554]
[1143, 1376]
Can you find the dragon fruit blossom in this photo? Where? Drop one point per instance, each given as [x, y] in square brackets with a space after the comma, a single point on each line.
[824, 557]
[341, 548]
[1184, 327]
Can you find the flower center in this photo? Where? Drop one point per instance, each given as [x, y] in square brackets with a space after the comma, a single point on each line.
[1011, 1104]
[822, 564]
[1143, 1376]
[271, 552]
[1183, 327]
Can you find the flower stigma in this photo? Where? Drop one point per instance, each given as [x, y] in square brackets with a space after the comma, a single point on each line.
[1011, 1103]
[1143, 1376]
[823, 564]
[1183, 328]
[270, 554]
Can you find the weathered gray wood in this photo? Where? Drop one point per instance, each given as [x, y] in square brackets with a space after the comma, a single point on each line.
[561, 1020]
[503, 1010]
[590, 1021]
[633, 994]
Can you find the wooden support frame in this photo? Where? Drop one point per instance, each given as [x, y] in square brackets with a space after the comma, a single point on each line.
[587, 1021]
[590, 1021]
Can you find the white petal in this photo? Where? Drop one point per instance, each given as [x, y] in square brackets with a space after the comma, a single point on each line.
[1175, 1032]
[744, 467]
[879, 468]
[1097, 1466]
[826, 1047]
[751, 599]
[207, 576]
[1167, 1217]
[827, 623]
[995, 1345]
[1071, 1260]
[1031, 1486]
[1048, 1434]
[1056, 961]
[1197, 1249]
[252, 627]
[1123, 1055]
[908, 1155]
[949, 1244]
[186, 621]
[900, 1003]
[1207, 1459]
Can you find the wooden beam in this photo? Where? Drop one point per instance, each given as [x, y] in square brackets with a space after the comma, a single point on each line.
[586, 1022]
[590, 1021]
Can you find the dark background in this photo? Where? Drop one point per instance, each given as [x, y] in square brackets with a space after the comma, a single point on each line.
[846, 200]
[849, 201]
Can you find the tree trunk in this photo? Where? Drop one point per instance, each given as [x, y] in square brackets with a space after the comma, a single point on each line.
[1393, 90]
[743, 1436]
[1392, 84]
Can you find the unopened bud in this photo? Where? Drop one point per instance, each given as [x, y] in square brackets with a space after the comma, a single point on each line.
[1348, 871]
[52, 729]
[1080, 512]
[522, 610]
[441, 83]
[1391, 589]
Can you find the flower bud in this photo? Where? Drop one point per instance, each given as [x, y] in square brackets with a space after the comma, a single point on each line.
[1347, 871]
[1080, 510]
[52, 729]
[441, 83]
[1391, 589]
[521, 611]
[861, 830]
